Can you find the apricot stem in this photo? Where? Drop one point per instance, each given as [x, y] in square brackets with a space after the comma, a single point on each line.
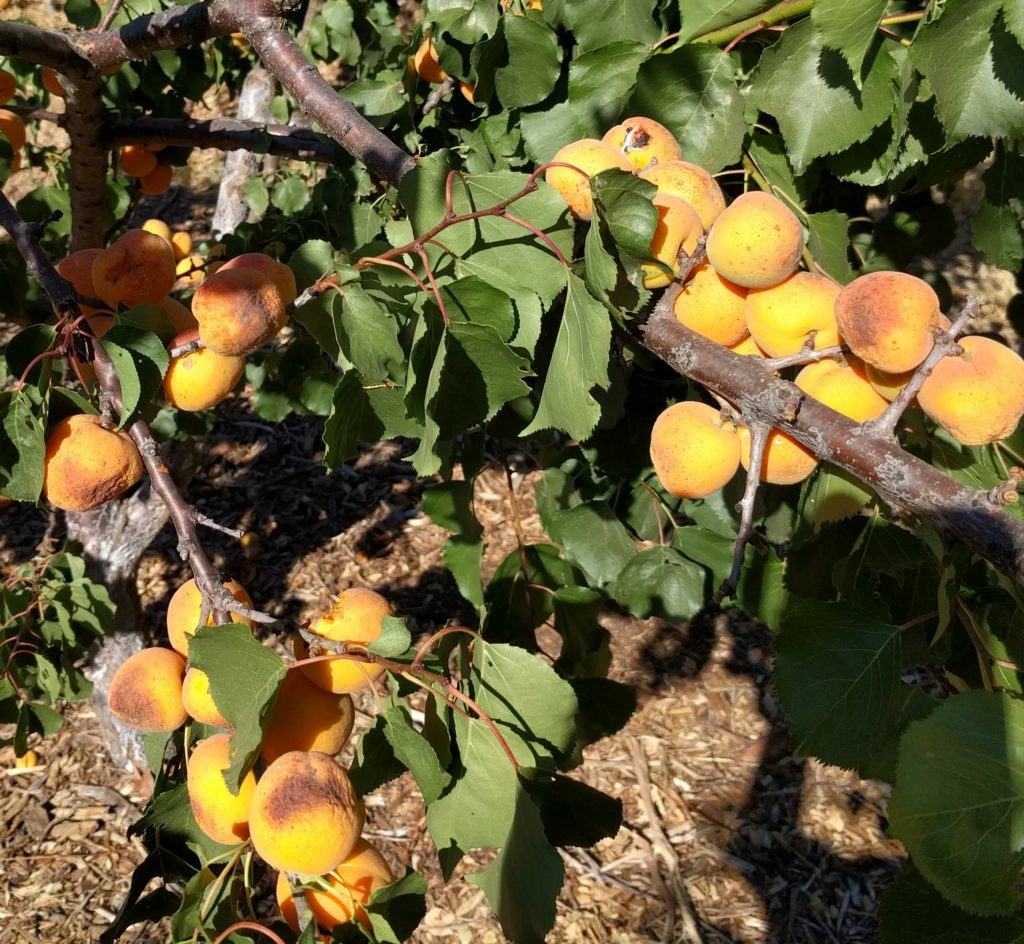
[807, 355]
[417, 661]
[249, 926]
[439, 94]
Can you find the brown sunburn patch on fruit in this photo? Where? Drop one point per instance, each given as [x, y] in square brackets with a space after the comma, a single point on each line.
[298, 791]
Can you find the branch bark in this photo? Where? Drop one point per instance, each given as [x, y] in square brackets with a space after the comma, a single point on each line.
[85, 119]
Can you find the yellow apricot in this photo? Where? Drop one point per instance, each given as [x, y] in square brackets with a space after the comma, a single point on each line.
[643, 140]
[591, 157]
[277, 272]
[145, 692]
[220, 814]
[355, 617]
[885, 319]
[844, 387]
[198, 702]
[28, 759]
[306, 718]
[693, 450]
[13, 128]
[8, 86]
[86, 465]
[200, 379]
[757, 241]
[159, 228]
[678, 228]
[888, 385]
[426, 63]
[783, 317]
[304, 815]
[157, 180]
[976, 396]
[238, 311]
[136, 270]
[690, 183]
[181, 245]
[179, 316]
[184, 608]
[747, 346]
[190, 271]
[468, 90]
[77, 269]
[785, 462]
[713, 306]
[137, 161]
[350, 885]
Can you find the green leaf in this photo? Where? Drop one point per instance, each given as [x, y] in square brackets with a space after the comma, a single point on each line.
[810, 91]
[515, 603]
[467, 20]
[394, 640]
[257, 196]
[693, 92]
[450, 506]
[600, 81]
[396, 910]
[22, 447]
[975, 68]
[958, 800]
[573, 813]
[882, 548]
[375, 762]
[534, 62]
[347, 422]
[660, 582]
[140, 360]
[837, 670]
[623, 202]
[368, 336]
[594, 23]
[586, 644]
[25, 347]
[579, 364]
[831, 496]
[851, 26]
[290, 195]
[698, 17]
[244, 679]
[415, 753]
[829, 243]
[998, 224]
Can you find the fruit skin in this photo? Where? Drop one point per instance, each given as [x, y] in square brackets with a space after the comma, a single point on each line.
[781, 318]
[643, 140]
[219, 813]
[238, 311]
[977, 396]
[145, 692]
[51, 82]
[694, 452]
[747, 346]
[87, 465]
[352, 883]
[278, 273]
[690, 183]
[158, 228]
[885, 318]
[13, 128]
[179, 316]
[191, 270]
[184, 608]
[426, 63]
[756, 242]
[8, 86]
[137, 161]
[844, 387]
[590, 156]
[138, 269]
[181, 245]
[468, 90]
[77, 269]
[713, 306]
[304, 815]
[678, 228]
[785, 462]
[197, 700]
[28, 759]
[355, 617]
[157, 180]
[888, 385]
[306, 718]
[200, 379]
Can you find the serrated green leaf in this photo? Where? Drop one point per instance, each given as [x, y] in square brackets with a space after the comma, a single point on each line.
[257, 197]
[829, 243]
[394, 640]
[998, 224]
[375, 762]
[396, 910]
[350, 420]
[22, 447]
[958, 800]
[415, 753]
[140, 360]
[881, 548]
[594, 23]
[698, 17]
[660, 582]
[368, 336]
[534, 62]
[851, 26]
[831, 496]
[466, 20]
[515, 604]
[623, 201]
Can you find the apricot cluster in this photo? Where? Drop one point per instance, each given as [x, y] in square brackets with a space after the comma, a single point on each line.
[299, 810]
[140, 161]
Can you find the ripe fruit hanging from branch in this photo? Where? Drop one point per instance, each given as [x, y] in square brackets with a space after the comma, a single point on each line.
[146, 690]
[220, 814]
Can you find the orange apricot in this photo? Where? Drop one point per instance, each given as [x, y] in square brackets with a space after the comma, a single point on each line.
[220, 814]
[844, 387]
[306, 718]
[137, 161]
[747, 346]
[191, 270]
[304, 816]
[785, 462]
[713, 306]
[200, 379]
[782, 318]
[157, 180]
[886, 317]
[77, 269]
[158, 228]
[690, 183]
[51, 82]
[678, 228]
[238, 311]
[181, 245]
[184, 608]
[145, 692]
[8, 86]
[976, 396]
[426, 63]
[13, 128]
[86, 465]
[198, 702]
[591, 157]
[757, 241]
[136, 270]
[179, 316]
[277, 272]
[694, 451]
[643, 141]
[888, 385]
[468, 90]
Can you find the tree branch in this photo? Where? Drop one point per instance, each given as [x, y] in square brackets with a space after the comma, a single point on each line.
[85, 119]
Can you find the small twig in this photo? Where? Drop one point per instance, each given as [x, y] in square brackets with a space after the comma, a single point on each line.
[759, 433]
[439, 94]
[199, 518]
[1008, 492]
[108, 17]
[189, 347]
[806, 355]
[417, 661]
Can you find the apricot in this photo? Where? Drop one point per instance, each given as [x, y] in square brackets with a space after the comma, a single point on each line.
[885, 318]
[191, 270]
[198, 702]
[181, 245]
[158, 228]
[200, 379]
[355, 617]
[86, 465]
[304, 815]
[238, 311]
[591, 157]
[426, 63]
[220, 814]
[137, 161]
[678, 228]
[51, 82]
[844, 387]
[13, 128]
[785, 461]
[783, 317]
[277, 272]
[694, 451]
[690, 183]
[888, 385]
[77, 269]
[350, 886]
[976, 396]
[28, 759]
[157, 180]
[306, 718]
[136, 270]
[184, 608]
[468, 90]
[757, 241]
[643, 141]
[177, 314]
[713, 306]
[747, 347]
[8, 86]
[145, 692]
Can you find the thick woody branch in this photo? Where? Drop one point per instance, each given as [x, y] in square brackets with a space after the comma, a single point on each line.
[53, 48]
[905, 483]
[84, 122]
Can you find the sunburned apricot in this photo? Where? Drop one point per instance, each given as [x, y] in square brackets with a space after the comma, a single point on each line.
[713, 306]
[219, 813]
[184, 609]
[693, 450]
[782, 318]
[678, 228]
[136, 270]
[238, 311]
[844, 387]
[145, 692]
[277, 272]
[690, 183]
[591, 157]
[785, 461]
[200, 379]
[306, 718]
[643, 141]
